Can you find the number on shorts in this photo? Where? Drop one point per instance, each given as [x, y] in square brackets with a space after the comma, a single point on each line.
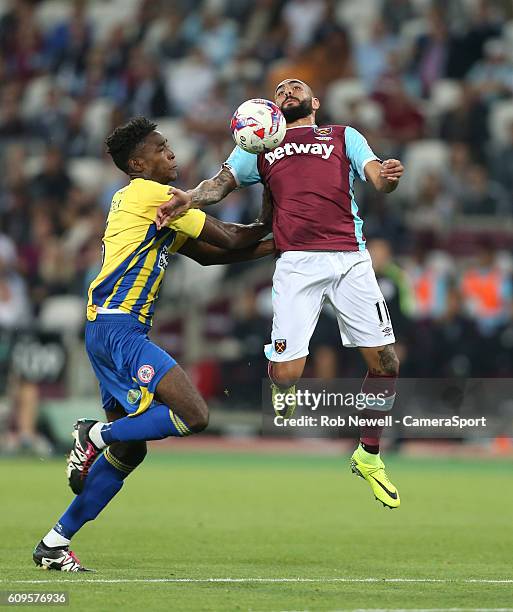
[383, 313]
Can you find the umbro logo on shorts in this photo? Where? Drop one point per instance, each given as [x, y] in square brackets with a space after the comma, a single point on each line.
[280, 346]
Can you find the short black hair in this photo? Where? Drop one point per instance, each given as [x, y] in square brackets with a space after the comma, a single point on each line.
[125, 138]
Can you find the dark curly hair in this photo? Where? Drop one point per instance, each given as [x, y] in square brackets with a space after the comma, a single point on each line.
[125, 138]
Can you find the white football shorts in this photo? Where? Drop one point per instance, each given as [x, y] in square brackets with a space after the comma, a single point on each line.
[305, 280]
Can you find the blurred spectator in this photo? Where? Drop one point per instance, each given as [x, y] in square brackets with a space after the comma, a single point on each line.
[434, 207]
[371, 56]
[480, 21]
[403, 122]
[145, 89]
[487, 290]
[67, 44]
[449, 345]
[14, 304]
[432, 50]
[214, 34]
[12, 123]
[466, 123]
[429, 281]
[190, 80]
[302, 18]
[482, 196]
[455, 177]
[392, 280]
[53, 182]
[501, 160]
[492, 77]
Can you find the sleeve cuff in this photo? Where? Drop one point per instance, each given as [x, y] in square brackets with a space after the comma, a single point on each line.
[234, 173]
[365, 162]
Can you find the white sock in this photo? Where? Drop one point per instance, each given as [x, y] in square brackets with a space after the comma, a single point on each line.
[53, 539]
[95, 433]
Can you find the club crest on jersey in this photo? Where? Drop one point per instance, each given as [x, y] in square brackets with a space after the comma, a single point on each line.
[163, 258]
[133, 396]
[323, 131]
[145, 373]
[280, 346]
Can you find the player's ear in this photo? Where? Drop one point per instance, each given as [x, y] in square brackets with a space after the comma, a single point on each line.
[135, 164]
[315, 104]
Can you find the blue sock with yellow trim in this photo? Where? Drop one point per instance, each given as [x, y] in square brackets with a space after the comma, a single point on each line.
[104, 480]
[156, 423]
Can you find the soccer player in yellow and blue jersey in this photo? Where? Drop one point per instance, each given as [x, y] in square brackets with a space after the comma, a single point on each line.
[145, 393]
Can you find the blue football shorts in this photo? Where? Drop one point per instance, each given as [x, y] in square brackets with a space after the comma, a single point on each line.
[127, 364]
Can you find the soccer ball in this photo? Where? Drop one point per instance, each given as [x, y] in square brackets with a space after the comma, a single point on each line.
[258, 126]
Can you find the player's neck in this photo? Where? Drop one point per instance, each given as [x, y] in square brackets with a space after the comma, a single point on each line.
[310, 120]
[143, 175]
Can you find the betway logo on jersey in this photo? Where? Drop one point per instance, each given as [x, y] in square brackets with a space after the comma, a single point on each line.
[292, 148]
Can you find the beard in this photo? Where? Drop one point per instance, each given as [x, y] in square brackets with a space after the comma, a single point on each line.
[301, 110]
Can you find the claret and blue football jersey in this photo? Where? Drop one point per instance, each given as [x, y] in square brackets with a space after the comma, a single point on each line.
[311, 177]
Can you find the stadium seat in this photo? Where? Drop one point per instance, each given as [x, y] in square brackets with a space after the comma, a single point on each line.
[507, 37]
[97, 119]
[421, 158]
[106, 15]
[446, 95]
[411, 30]
[501, 117]
[51, 12]
[86, 172]
[62, 313]
[35, 95]
[369, 115]
[358, 16]
[340, 95]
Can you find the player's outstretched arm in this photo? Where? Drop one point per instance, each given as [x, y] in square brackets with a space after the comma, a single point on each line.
[207, 192]
[232, 235]
[209, 255]
[385, 175]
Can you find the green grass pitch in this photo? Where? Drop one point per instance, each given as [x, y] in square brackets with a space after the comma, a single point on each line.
[235, 516]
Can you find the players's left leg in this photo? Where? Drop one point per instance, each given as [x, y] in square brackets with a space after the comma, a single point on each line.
[104, 481]
[299, 285]
[364, 322]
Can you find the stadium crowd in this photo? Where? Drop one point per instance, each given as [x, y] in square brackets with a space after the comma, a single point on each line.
[429, 82]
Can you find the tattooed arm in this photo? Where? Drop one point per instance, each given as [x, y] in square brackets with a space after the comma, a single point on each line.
[207, 192]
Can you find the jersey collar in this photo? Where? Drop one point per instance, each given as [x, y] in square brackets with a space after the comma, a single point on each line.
[297, 127]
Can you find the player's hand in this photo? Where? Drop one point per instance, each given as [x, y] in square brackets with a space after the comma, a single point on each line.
[268, 246]
[391, 170]
[178, 204]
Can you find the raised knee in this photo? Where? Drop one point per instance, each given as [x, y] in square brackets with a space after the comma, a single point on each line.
[285, 374]
[130, 454]
[199, 420]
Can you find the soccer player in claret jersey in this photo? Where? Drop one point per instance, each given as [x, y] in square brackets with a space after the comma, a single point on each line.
[146, 395]
[318, 232]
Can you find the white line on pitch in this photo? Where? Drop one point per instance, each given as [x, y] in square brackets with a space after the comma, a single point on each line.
[269, 580]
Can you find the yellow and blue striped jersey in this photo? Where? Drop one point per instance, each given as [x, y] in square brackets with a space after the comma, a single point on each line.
[135, 254]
